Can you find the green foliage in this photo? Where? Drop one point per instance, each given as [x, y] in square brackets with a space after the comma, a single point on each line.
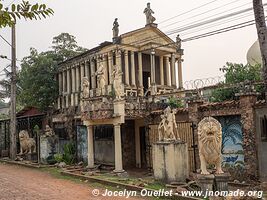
[58, 157]
[25, 10]
[175, 103]
[69, 153]
[36, 80]
[236, 73]
[66, 46]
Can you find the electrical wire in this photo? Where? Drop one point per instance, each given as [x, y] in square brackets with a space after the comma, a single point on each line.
[5, 40]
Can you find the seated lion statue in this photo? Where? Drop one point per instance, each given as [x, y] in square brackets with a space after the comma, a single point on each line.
[27, 144]
[210, 144]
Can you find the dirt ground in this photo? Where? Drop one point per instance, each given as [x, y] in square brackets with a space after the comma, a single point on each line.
[21, 183]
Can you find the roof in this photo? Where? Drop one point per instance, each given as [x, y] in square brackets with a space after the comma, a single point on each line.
[28, 111]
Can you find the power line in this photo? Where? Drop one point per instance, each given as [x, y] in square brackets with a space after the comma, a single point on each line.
[208, 12]
[188, 11]
[5, 40]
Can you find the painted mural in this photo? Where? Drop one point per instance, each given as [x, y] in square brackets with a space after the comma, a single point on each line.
[82, 143]
[232, 141]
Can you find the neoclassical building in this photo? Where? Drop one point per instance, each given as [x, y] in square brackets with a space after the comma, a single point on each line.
[108, 90]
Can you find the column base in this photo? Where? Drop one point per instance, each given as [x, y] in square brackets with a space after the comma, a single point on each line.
[121, 173]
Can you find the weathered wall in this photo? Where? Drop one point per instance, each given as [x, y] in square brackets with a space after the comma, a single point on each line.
[128, 144]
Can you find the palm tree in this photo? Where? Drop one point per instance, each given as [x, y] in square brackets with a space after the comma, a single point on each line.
[262, 35]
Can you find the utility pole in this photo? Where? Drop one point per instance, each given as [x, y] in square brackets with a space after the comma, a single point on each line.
[13, 131]
[262, 36]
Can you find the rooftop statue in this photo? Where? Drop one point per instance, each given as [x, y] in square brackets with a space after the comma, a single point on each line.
[178, 42]
[115, 28]
[148, 12]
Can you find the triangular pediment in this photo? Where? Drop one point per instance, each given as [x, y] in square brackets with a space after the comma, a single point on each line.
[144, 36]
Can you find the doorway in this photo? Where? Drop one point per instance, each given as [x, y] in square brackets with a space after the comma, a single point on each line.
[142, 132]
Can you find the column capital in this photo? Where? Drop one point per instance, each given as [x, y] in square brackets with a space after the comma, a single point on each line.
[117, 124]
[153, 51]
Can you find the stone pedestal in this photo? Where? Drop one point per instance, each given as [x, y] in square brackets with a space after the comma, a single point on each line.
[221, 181]
[48, 147]
[206, 182]
[170, 161]
[119, 107]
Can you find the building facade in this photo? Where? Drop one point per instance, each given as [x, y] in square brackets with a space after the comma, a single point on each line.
[140, 65]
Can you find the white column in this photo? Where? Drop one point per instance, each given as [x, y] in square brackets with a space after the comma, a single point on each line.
[68, 87]
[73, 89]
[168, 74]
[90, 134]
[133, 69]
[87, 69]
[82, 75]
[60, 83]
[180, 75]
[105, 64]
[126, 59]
[173, 70]
[93, 78]
[77, 69]
[118, 59]
[140, 71]
[64, 82]
[152, 70]
[161, 71]
[110, 67]
[118, 151]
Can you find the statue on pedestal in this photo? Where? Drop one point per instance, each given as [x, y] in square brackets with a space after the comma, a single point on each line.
[100, 73]
[210, 144]
[168, 128]
[115, 28]
[27, 144]
[148, 12]
[117, 83]
[86, 87]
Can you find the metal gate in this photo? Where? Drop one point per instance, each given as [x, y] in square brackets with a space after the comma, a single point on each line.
[186, 132]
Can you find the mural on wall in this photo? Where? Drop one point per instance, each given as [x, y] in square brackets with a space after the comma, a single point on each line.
[82, 143]
[232, 141]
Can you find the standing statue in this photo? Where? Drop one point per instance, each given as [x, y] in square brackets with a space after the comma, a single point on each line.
[27, 144]
[210, 144]
[168, 128]
[48, 132]
[148, 12]
[86, 87]
[117, 84]
[100, 73]
[178, 42]
[115, 28]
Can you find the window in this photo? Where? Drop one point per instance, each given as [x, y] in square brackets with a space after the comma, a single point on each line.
[263, 122]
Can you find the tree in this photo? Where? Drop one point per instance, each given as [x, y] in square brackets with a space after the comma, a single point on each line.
[262, 35]
[234, 74]
[23, 10]
[66, 47]
[36, 80]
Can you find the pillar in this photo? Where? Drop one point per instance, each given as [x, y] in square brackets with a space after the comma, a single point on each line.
[152, 70]
[173, 75]
[161, 70]
[140, 70]
[91, 160]
[68, 87]
[87, 69]
[77, 84]
[60, 83]
[126, 67]
[118, 151]
[180, 74]
[168, 74]
[64, 82]
[105, 64]
[110, 67]
[82, 75]
[73, 86]
[133, 69]
[93, 78]
[118, 59]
